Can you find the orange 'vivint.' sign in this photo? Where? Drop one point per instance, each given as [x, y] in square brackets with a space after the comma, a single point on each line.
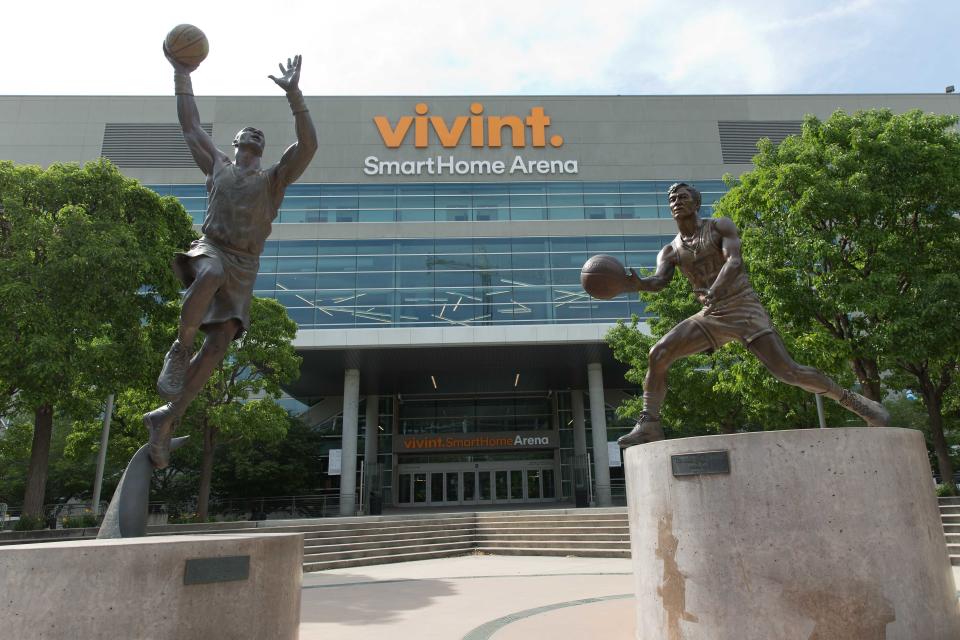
[484, 131]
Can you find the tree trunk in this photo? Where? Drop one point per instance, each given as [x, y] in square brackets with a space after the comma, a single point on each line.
[933, 402]
[206, 471]
[868, 375]
[39, 459]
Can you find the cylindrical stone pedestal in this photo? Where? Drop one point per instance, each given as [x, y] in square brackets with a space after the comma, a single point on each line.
[817, 534]
[189, 587]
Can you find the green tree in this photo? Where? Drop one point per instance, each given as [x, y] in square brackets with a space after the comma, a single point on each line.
[84, 273]
[237, 405]
[285, 467]
[850, 228]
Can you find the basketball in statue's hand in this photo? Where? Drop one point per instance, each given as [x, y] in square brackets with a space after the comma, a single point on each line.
[187, 45]
[603, 277]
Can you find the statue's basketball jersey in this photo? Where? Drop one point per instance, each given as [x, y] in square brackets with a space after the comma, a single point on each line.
[240, 209]
[701, 259]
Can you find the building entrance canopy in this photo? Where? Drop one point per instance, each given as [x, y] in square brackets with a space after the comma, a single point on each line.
[453, 369]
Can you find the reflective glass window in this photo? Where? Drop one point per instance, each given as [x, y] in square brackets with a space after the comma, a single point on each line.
[414, 262]
[644, 243]
[336, 263]
[297, 248]
[605, 244]
[375, 280]
[265, 281]
[296, 281]
[414, 279]
[337, 247]
[414, 246]
[336, 280]
[296, 264]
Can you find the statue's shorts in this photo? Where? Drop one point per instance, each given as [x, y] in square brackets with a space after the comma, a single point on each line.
[740, 318]
[232, 299]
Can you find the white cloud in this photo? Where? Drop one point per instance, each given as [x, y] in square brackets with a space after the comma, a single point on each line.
[459, 47]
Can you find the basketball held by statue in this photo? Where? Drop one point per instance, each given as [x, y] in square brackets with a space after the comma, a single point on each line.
[187, 45]
[603, 277]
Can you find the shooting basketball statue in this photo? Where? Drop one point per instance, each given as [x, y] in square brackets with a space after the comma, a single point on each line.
[219, 269]
[707, 252]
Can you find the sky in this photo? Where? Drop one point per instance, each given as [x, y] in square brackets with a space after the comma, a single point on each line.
[505, 47]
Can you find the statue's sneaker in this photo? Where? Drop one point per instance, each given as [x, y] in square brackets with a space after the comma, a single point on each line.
[174, 372]
[160, 423]
[872, 412]
[646, 430]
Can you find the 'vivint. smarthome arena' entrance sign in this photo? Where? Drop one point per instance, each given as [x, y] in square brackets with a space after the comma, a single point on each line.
[497, 440]
[482, 131]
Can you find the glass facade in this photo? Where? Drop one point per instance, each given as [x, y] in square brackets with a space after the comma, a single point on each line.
[453, 281]
[473, 414]
[445, 281]
[467, 202]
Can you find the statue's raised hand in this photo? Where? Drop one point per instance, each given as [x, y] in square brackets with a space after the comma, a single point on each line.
[290, 78]
[177, 65]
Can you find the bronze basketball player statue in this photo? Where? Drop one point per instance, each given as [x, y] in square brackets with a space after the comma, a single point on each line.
[219, 269]
[707, 252]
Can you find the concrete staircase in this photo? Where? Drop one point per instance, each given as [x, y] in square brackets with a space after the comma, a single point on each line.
[331, 543]
[950, 514]
[348, 542]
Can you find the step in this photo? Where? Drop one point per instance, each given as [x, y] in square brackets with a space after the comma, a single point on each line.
[553, 544]
[567, 531]
[950, 509]
[374, 530]
[384, 559]
[580, 538]
[375, 552]
[383, 537]
[511, 524]
[542, 551]
[949, 500]
[589, 517]
[346, 544]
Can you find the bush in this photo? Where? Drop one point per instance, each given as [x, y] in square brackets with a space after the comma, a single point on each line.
[30, 523]
[945, 490]
[80, 522]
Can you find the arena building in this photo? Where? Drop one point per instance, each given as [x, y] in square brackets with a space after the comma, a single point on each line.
[431, 255]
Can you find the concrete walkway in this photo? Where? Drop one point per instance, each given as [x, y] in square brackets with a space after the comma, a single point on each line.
[474, 597]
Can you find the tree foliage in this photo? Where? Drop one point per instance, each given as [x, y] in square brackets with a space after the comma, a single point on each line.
[237, 405]
[851, 228]
[84, 275]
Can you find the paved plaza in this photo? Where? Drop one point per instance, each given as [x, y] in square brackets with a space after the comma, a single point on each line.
[472, 598]
[475, 597]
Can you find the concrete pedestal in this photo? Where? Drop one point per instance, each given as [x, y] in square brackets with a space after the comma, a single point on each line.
[812, 535]
[155, 588]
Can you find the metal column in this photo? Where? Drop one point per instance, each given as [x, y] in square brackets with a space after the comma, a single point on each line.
[351, 411]
[598, 425]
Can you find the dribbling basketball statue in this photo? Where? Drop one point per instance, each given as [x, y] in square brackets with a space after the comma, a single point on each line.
[707, 253]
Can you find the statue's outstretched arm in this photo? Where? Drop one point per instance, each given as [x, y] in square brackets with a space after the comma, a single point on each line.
[298, 155]
[666, 264]
[199, 142]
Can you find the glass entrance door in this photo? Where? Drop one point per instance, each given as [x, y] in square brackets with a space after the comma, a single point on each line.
[487, 483]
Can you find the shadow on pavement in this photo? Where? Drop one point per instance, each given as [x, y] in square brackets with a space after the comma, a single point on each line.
[357, 600]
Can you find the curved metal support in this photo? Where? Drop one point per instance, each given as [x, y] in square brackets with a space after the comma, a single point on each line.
[126, 516]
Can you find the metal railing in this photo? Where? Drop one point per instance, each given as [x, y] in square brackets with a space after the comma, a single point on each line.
[319, 505]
